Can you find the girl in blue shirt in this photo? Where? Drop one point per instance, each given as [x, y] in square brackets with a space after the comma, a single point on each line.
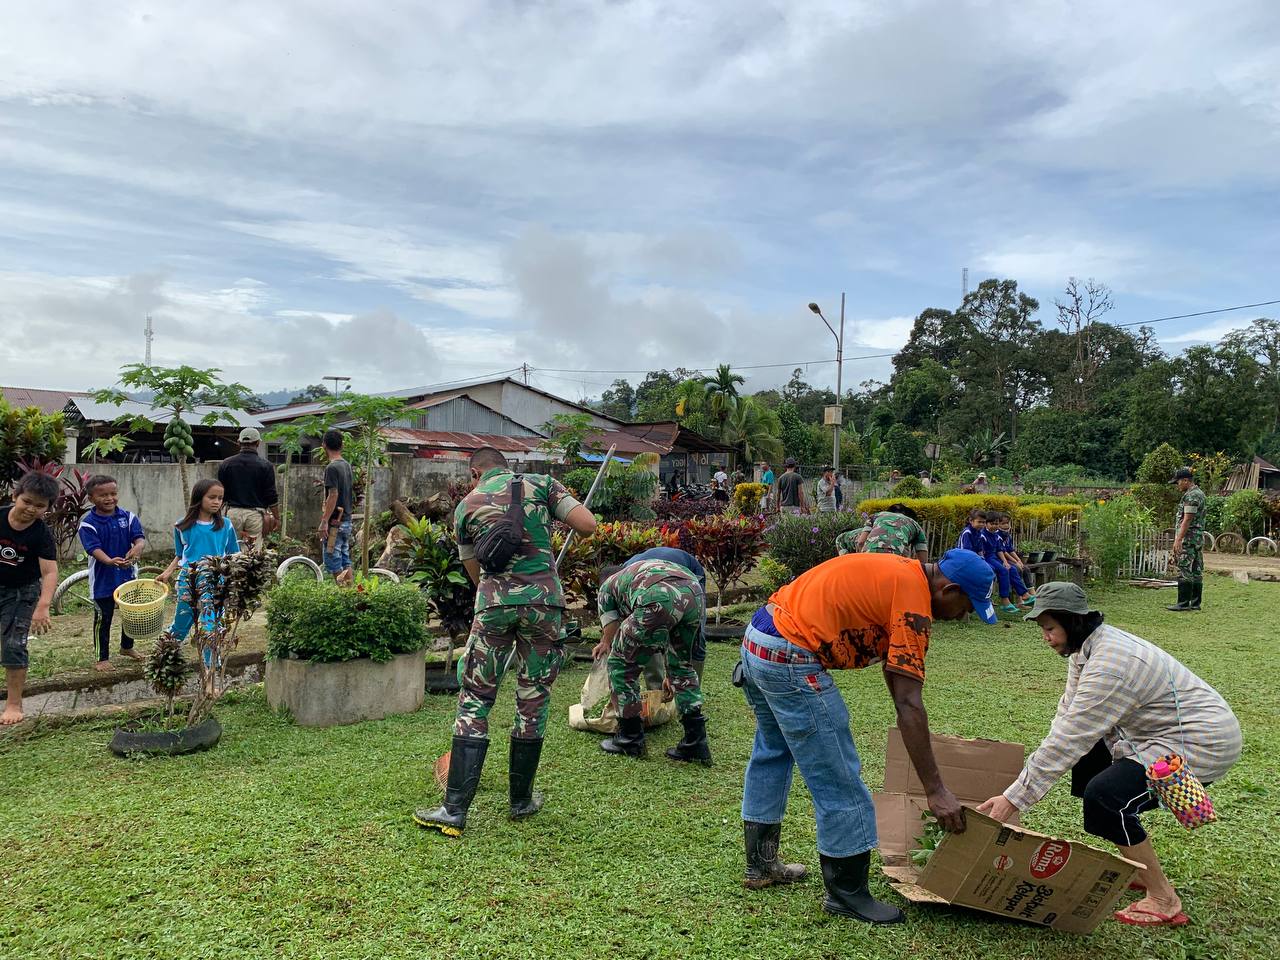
[201, 533]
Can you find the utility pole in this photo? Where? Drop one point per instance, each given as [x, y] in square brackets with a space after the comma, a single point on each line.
[149, 334]
[964, 284]
[835, 414]
[524, 368]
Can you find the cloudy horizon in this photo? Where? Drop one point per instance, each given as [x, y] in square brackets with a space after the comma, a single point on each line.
[435, 192]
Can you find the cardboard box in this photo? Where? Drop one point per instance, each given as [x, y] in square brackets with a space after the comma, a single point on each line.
[994, 867]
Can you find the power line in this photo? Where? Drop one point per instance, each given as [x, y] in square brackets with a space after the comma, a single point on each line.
[736, 366]
[1202, 313]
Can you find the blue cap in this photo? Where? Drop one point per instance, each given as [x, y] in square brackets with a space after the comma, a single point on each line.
[968, 570]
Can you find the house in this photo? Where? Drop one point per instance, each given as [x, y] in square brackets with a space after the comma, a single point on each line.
[88, 420]
[46, 401]
[688, 456]
[1257, 474]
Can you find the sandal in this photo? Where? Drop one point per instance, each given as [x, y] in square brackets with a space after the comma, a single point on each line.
[1135, 917]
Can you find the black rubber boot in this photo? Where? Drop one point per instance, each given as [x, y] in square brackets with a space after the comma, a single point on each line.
[764, 866]
[1197, 594]
[1184, 597]
[848, 894]
[466, 760]
[694, 747]
[522, 768]
[629, 740]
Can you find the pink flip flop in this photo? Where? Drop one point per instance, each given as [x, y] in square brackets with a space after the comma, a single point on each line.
[1135, 917]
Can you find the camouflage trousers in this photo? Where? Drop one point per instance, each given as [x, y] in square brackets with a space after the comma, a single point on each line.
[666, 621]
[1191, 561]
[532, 633]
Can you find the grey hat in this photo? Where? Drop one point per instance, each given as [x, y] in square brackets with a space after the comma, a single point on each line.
[250, 435]
[1059, 595]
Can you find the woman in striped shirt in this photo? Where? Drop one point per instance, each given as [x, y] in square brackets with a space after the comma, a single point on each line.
[1126, 705]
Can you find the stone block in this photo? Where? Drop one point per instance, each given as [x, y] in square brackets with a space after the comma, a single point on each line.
[331, 694]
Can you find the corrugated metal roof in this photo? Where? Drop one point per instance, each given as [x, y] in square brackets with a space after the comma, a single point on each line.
[448, 440]
[95, 412]
[49, 401]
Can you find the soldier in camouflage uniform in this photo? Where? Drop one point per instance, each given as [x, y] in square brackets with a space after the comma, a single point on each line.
[1188, 543]
[847, 542]
[517, 623]
[647, 609]
[896, 530]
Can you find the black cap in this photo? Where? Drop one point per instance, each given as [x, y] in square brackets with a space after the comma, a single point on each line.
[791, 462]
[1183, 473]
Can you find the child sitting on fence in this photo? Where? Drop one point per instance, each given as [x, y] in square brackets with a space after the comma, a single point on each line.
[973, 537]
[113, 539]
[1018, 572]
[202, 532]
[1004, 570]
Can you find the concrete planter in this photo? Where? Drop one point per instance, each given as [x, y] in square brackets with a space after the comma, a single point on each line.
[331, 694]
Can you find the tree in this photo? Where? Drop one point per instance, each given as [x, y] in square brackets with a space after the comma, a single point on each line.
[290, 437]
[364, 416]
[655, 396]
[178, 391]
[753, 429]
[1261, 340]
[568, 434]
[1001, 348]
[797, 441]
[619, 401]
[721, 391]
[983, 449]
[311, 393]
[1079, 311]
[904, 450]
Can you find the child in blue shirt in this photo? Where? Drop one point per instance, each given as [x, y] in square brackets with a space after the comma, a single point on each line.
[1009, 553]
[202, 532]
[114, 541]
[998, 564]
[973, 537]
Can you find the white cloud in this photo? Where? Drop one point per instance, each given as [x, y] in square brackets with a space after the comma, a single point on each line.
[1050, 260]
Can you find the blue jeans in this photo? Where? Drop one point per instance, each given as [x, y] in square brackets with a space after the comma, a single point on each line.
[339, 558]
[802, 720]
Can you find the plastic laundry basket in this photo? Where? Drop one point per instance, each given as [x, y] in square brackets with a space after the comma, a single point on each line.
[141, 605]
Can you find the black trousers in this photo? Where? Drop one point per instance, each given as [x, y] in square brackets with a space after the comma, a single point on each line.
[106, 610]
[1114, 793]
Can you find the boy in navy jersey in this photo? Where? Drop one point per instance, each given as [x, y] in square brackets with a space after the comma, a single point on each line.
[113, 539]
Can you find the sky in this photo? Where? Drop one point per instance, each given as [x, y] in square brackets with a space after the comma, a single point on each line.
[425, 192]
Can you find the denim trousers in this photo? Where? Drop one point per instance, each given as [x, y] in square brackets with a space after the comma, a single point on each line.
[802, 721]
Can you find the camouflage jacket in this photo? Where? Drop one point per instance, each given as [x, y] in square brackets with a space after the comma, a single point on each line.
[646, 582]
[531, 576]
[894, 533]
[847, 542]
[1192, 503]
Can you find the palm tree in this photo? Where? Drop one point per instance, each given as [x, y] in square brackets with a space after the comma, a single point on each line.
[721, 392]
[688, 396]
[753, 428]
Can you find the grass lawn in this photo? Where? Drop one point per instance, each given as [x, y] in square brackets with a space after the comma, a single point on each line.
[298, 843]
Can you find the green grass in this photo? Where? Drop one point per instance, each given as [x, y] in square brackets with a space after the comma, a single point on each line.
[298, 842]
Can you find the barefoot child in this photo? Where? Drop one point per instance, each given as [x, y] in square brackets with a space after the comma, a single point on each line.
[113, 539]
[202, 532]
[28, 577]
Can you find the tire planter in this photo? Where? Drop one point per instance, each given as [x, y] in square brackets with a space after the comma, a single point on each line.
[172, 743]
[442, 681]
[725, 632]
[332, 694]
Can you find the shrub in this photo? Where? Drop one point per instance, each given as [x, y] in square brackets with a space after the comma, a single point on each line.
[747, 496]
[431, 556]
[667, 509]
[325, 623]
[910, 488]
[1244, 512]
[1161, 499]
[800, 543]
[1065, 475]
[945, 517]
[1159, 465]
[579, 481]
[1214, 508]
[1110, 530]
[728, 547]
[773, 574]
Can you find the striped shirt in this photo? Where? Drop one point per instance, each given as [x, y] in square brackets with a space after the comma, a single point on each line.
[1143, 703]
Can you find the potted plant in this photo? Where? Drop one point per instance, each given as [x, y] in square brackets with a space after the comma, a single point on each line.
[728, 547]
[339, 655]
[225, 592]
[431, 557]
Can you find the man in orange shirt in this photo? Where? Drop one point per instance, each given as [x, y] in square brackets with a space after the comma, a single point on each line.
[848, 613]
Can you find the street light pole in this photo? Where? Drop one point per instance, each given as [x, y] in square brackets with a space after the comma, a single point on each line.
[839, 337]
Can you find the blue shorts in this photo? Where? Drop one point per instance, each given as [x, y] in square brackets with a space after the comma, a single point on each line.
[339, 558]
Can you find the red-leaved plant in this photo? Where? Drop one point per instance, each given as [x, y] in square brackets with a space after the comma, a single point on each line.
[727, 546]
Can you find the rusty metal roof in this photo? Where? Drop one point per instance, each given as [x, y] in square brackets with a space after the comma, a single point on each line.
[449, 440]
[49, 401]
